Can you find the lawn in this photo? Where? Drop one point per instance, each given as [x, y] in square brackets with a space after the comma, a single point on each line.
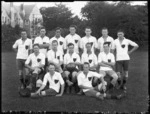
[135, 101]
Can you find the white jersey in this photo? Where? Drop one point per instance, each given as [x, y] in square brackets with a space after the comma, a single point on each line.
[23, 48]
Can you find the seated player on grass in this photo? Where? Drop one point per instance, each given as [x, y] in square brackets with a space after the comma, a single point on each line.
[55, 56]
[106, 61]
[37, 61]
[55, 81]
[85, 83]
[71, 68]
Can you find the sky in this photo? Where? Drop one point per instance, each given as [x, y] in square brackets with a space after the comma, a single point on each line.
[75, 7]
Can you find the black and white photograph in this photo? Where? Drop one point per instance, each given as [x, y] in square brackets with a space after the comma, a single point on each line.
[80, 56]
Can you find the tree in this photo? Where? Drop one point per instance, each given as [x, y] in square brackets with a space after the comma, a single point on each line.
[57, 16]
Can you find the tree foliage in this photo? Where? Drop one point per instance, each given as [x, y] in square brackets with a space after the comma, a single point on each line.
[132, 19]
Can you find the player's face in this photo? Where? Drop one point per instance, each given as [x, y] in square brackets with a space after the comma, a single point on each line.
[104, 32]
[120, 34]
[42, 32]
[88, 32]
[23, 34]
[71, 49]
[88, 47]
[106, 48]
[54, 45]
[51, 68]
[72, 30]
[85, 67]
[36, 49]
[58, 33]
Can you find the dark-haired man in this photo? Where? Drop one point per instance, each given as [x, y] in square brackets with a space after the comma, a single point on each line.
[35, 63]
[122, 57]
[105, 38]
[71, 67]
[85, 83]
[55, 56]
[61, 41]
[56, 83]
[106, 60]
[23, 47]
[73, 38]
[88, 38]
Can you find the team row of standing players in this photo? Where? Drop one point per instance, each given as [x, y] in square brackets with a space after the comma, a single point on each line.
[68, 50]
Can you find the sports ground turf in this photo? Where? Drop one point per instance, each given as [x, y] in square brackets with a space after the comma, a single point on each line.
[135, 101]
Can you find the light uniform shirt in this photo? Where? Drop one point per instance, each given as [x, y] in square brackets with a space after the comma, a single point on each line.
[85, 58]
[101, 42]
[75, 39]
[106, 58]
[87, 80]
[36, 60]
[69, 58]
[61, 43]
[86, 40]
[122, 52]
[39, 40]
[54, 56]
[54, 81]
[22, 48]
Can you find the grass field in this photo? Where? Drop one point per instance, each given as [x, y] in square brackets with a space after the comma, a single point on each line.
[135, 101]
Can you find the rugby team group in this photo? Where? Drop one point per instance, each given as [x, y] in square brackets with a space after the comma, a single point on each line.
[52, 66]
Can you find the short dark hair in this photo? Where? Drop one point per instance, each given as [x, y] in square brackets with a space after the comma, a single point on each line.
[36, 45]
[106, 43]
[58, 28]
[120, 30]
[51, 64]
[54, 41]
[23, 30]
[42, 28]
[88, 43]
[104, 28]
[70, 44]
[88, 28]
[86, 63]
[74, 26]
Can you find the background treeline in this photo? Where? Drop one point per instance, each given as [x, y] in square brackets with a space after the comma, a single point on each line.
[119, 15]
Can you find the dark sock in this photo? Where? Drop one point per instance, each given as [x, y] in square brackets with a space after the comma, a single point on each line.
[111, 85]
[119, 81]
[113, 97]
[22, 81]
[124, 81]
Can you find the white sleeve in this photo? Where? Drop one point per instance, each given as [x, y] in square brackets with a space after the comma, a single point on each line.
[112, 58]
[112, 44]
[65, 59]
[45, 79]
[36, 40]
[28, 60]
[79, 79]
[43, 59]
[15, 44]
[95, 74]
[46, 40]
[99, 58]
[95, 60]
[95, 42]
[82, 59]
[98, 43]
[132, 43]
[61, 79]
[61, 57]
[64, 44]
[30, 44]
[78, 58]
[81, 43]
